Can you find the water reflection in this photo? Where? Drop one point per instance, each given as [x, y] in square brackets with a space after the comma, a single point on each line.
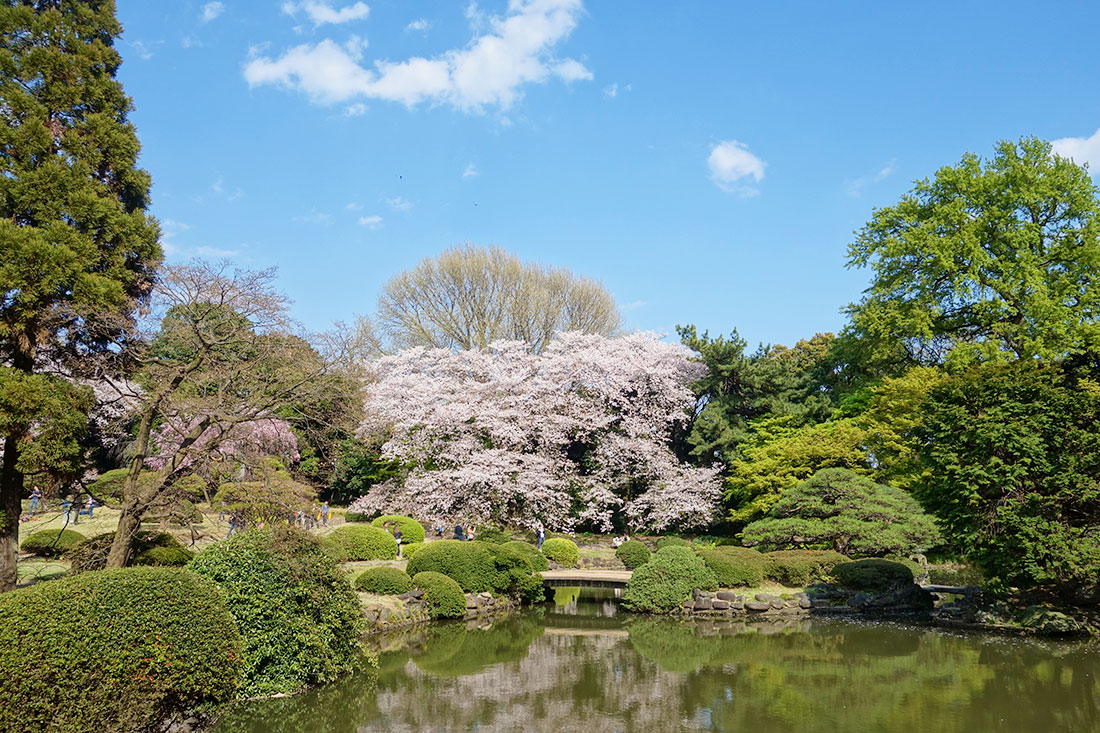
[578, 666]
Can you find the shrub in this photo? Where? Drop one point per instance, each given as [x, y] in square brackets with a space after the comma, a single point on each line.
[562, 551]
[51, 542]
[873, 574]
[385, 581]
[798, 568]
[297, 614]
[535, 559]
[357, 517]
[633, 554]
[671, 541]
[116, 650]
[468, 563]
[356, 542]
[442, 595]
[163, 556]
[407, 551]
[735, 566]
[492, 535]
[411, 530]
[513, 574]
[667, 580]
[92, 553]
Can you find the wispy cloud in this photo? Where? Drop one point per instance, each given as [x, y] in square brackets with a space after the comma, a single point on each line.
[471, 171]
[144, 49]
[855, 187]
[634, 305]
[491, 70]
[216, 252]
[418, 26]
[612, 90]
[355, 110]
[371, 222]
[732, 165]
[353, 206]
[399, 204]
[211, 11]
[1081, 150]
[321, 12]
[314, 217]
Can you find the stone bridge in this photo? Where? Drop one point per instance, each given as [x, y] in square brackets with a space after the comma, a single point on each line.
[585, 578]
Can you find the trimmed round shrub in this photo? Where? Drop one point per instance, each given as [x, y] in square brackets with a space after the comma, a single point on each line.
[670, 541]
[535, 559]
[735, 567]
[468, 563]
[493, 535]
[633, 554]
[514, 574]
[667, 580]
[117, 650]
[561, 551]
[874, 574]
[163, 557]
[411, 530]
[356, 542]
[92, 553]
[384, 581]
[356, 517]
[51, 542]
[296, 611]
[407, 551]
[798, 568]
[442, 595]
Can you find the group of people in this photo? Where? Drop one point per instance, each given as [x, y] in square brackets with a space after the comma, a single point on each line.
[396, 532]
[70, 507]
[617, 542]
[465, 533]
[315, 517]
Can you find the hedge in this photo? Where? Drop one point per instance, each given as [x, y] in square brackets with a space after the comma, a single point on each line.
[798, 568]
[735, 567]
[296, 611]
[671, 541]
[384, 581]
[562, 551]
[493, 535]
[468, 563]
[442, 595]
[407, 551]
[51, 542]
[163, 556]
[535, 558]
[411, 530]
[356, 517]
[116, 650]
[356, 542]
[874, 574]
[633, 554]
[667, 580]
[92, 553]
[513, 574]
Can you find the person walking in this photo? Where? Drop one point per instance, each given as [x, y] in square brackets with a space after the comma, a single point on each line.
[36, 499]
[397, 536]
[540, 537]
[66, 506]
[459, 534]
[324, 513]
[90, 505]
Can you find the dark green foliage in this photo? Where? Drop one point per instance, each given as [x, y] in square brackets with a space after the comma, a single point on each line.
[513, 574]
[470, 564]
[735, 567]
[1013, 458]
[411, 530]
[296, 611]
[671, 541]
[873, 574]
[955, 576]
[562, 551]
[359, 467]
[442, 595]
[838, 508]
[92, 553]
[667, 580]
[535, 559]
[799, 568]
[407, 551]
[493, 535]
[356, 542]
[51, 542]
[163, 556]
[633, 554]
[385, 581]
[355, 517]
[117, 650]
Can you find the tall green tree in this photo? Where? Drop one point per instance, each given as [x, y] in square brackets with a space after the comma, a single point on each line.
[77, 251]
[989, 260]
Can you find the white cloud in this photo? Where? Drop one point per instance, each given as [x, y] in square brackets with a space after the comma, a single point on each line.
[633, 306]
[1081, 150]
[471, 171]
[355, 110]
[399, 204]
[218, 186]
[353, 206]
[855, 188]
[211, 11]
[144, 49]
[731, 164]
[419, 25]
[321, 11]
[216, 252]
[371, 222]
[491, 70]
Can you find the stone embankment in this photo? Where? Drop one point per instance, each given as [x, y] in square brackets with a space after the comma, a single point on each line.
[824, 598]
[729, 603]
[409, 609]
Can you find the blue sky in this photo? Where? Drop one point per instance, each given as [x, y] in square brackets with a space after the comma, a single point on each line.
[707, 161]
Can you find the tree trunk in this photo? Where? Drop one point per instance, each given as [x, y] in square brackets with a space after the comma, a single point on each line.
[128, 525]
[11, 496]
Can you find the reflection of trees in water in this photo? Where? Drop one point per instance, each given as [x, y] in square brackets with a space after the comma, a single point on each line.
[662, 674]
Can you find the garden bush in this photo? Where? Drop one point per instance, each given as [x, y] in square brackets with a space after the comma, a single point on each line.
[467, 563]
[798, 568]
[91, 554]
[356, 542]
[667, 580]
[735, 567]
[384, 581]
[493, 535]
[411, 530]
[117, 650]
[562, 551]
[51, 542]
[671, 541]
[535, 559]
[163, 557]
[514, 574]
[407, 551]
[297, 613]
[633, 554]
[442, 595]
[872, 574]
[356, 517]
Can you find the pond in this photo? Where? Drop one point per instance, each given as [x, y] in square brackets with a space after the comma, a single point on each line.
[579, 665]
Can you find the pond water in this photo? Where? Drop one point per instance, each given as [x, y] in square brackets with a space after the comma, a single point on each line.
[578, 665]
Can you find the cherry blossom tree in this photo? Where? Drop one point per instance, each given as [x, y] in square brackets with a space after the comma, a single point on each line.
[575, 435]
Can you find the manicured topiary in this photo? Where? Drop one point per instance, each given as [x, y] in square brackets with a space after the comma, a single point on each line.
[92, 553]
[798, 568]
[671, 541]
[561, 551]
[411, 530]
[356, 542]
[116, 650]
[735, 567]
[514, 575]
[535, 559]
[468, 563]
[51, 542]
[492, 535]
[633, 554]
[442, 595]
[163, 556]
[356, 517]
[297, 613]
[407, 551]
[667, 580]
[384, 581]
[873, 574]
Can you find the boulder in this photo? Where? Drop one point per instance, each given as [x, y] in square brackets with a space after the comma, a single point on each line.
[727, 595]
[805, 602]
[757, 606]
[720, 605]
[703, 604]
[764, 597]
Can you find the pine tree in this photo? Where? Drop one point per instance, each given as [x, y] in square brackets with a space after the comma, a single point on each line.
[78, 252]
